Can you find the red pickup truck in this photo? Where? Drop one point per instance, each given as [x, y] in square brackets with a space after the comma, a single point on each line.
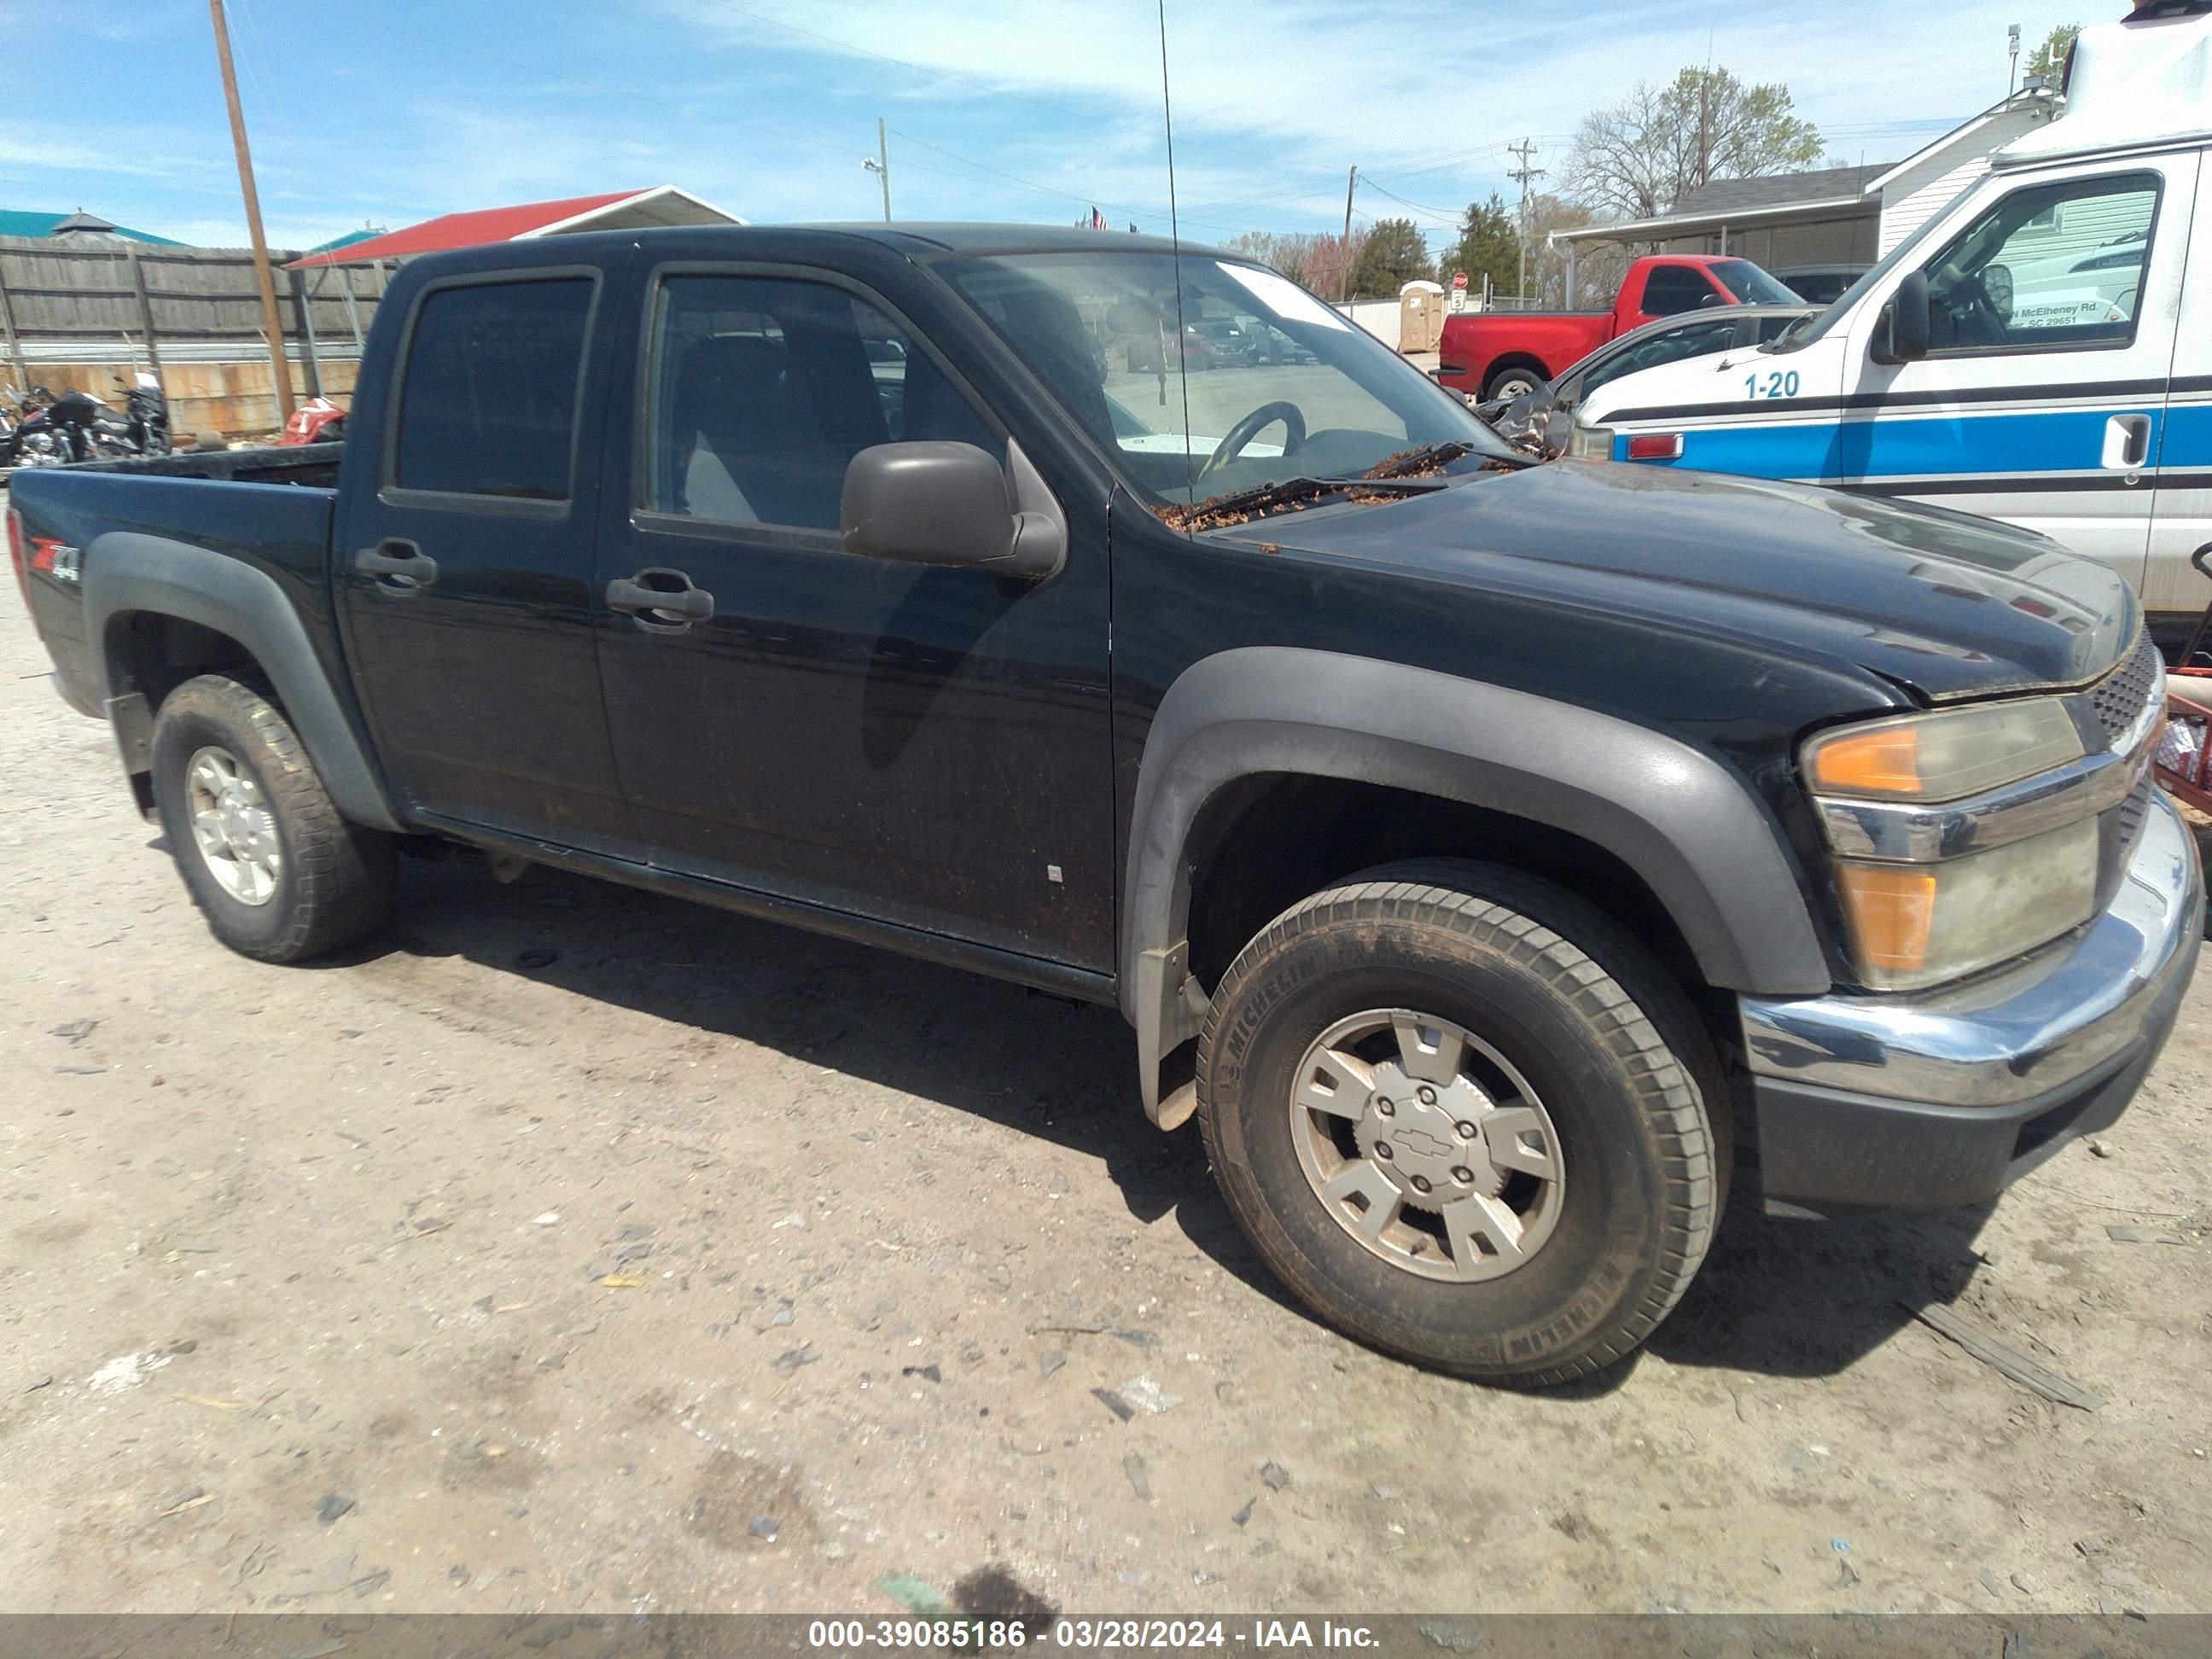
[1502, 354]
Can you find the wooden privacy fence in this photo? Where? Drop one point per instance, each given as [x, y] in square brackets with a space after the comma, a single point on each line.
[85, 312]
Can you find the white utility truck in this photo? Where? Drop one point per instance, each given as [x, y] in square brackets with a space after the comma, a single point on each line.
[2039, 351]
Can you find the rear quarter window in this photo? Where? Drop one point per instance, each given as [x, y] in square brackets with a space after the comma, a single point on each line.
[488, 396]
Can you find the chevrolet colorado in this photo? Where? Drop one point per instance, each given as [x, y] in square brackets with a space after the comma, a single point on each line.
[1478, 849]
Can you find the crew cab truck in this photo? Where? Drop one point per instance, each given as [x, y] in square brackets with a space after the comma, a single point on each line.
[1477, 848]
[2039, 351]
[1504, 354]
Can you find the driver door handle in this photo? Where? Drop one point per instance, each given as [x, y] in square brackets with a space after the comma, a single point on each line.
[2127, 442]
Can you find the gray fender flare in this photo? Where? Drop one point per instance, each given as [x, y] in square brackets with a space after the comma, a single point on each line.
[126, 572]
[1687, 826]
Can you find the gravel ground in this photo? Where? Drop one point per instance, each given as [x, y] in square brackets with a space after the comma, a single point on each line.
[571, 1248]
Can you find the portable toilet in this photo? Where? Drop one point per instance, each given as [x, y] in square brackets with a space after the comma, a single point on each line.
[1420, 316]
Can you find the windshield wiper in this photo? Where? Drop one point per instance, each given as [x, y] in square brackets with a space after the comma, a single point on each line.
[1287, 495]
[1426, 460]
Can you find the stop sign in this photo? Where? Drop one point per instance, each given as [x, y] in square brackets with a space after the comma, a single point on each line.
[1459, 279]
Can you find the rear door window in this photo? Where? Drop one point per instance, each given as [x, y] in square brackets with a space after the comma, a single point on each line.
[488, 398]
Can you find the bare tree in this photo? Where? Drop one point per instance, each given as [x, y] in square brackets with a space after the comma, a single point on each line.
[1306, 259]
[1641, 155]
[1599, 266]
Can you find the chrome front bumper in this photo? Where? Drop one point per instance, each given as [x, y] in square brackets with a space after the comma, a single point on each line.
[1939, 1097]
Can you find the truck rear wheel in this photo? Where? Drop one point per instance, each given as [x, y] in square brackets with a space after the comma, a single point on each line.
[1463, 1114]
[278, 874]
[1507, 383]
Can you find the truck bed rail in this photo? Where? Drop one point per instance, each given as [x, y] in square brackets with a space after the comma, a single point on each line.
[299, 464]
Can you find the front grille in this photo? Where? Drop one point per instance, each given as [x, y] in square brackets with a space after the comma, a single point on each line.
[2120, 696]
[2133, 810]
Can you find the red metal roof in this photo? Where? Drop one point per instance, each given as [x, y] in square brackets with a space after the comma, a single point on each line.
[464, 229]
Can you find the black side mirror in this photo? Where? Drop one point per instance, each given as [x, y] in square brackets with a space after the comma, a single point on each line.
[1900, 335]
[950, 504]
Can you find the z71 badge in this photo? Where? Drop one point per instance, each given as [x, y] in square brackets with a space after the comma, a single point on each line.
[63, 562]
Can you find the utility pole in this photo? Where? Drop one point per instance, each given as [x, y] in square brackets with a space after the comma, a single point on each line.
[1344, 248]
[1524, 175]
[881, 167]
[271, 321]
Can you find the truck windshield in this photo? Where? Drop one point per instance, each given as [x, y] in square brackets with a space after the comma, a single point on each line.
[1753, 286]
[1204, 377]
[1803, 334]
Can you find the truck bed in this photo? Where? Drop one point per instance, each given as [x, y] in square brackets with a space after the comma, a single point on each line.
[274, 512]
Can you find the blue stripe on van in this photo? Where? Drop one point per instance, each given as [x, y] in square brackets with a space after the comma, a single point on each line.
[1848, 451]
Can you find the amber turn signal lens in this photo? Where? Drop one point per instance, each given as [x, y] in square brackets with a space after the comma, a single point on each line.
[1945, 753]
[1884, 759]
[1892, 912]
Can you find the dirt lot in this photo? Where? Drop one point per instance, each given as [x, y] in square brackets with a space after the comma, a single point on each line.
[577, 1250]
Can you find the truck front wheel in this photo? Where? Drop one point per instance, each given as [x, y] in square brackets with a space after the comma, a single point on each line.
[1463, 1114]
[278, 874]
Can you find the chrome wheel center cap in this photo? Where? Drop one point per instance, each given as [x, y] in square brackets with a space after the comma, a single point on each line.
[1425, 1139]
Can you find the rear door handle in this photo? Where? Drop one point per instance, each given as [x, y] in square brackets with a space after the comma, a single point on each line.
[661, 600]
[396, 566]
[2127, 442]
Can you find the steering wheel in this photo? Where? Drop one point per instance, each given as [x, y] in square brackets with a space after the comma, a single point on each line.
[1234, 440]
[1996, 288]
[1973, 313]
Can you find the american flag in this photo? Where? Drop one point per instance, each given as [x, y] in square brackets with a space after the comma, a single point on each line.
[1098, 221]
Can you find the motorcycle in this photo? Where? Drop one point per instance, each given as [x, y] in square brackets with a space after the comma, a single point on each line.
[144, 429]
[318, 421]
[146, 425]
[33, 439]
[77, 417]
[54, 430]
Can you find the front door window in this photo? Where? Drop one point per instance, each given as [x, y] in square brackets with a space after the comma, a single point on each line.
[2056, 266]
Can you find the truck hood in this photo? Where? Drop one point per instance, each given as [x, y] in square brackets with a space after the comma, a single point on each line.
[1946, 604]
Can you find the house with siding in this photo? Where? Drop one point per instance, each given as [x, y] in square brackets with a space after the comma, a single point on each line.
[1842, 216]
[1824, 217]
[1906, 196]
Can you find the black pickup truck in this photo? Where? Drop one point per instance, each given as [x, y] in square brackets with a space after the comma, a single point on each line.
[1481, 850]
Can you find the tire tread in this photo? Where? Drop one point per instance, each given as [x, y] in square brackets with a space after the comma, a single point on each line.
[345, 871]
[1628, 998]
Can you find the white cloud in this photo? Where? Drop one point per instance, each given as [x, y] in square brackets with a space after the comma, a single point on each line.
[1044, 108]
[130, 154]
[1279, 104]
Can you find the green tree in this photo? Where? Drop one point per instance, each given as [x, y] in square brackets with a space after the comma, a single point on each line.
[1489, 245]
[1638, 158]
[2048, 61]
[1394, 254]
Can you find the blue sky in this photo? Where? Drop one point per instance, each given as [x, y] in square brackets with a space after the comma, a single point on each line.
[392, 111]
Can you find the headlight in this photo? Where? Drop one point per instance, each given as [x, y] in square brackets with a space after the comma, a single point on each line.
[1590, 443]
[1961, 838]
[1960, 751]
[1915, 924]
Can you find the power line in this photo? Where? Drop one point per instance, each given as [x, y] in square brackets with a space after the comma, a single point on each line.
[1444, 214]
